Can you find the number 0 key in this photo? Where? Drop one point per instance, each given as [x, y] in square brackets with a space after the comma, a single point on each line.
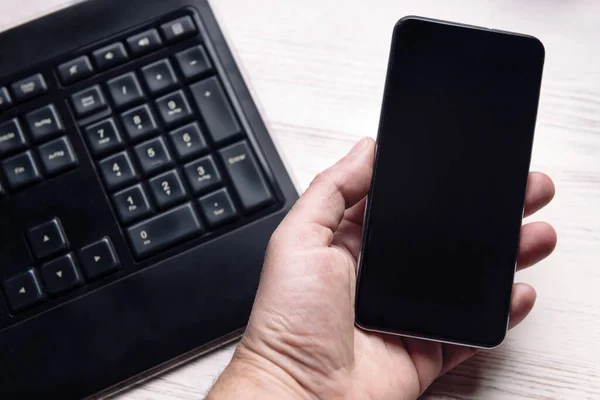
[164, 230]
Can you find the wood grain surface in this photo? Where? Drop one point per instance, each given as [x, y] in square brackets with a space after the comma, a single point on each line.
[317, 69]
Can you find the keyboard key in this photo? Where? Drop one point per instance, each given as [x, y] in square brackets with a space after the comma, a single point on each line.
[98, 259]
[11, 137]
[117, 171]
[103, 137]
[193, 62]
[159, 76]
[125, 90]
[164, 230]
[245, 174]
[75, 70]
[30, 87]
[110, 56]
[57, 156]
[47, 239]
[132, 204]
[5, 100]
[139, 123]
[178, 29]
[216, 110]
[174, 108]
[88, 101]
[188, 141]
[167, 189]
[21, 171]
[61, 275]
[144, 42]
[203, 174]
[153, 155]
[44, 123]
[23, 291]
[218, 208]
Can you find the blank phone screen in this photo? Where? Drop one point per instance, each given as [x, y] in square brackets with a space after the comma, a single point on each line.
[445, 207]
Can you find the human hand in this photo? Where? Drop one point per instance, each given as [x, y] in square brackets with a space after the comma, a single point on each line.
[301, 341]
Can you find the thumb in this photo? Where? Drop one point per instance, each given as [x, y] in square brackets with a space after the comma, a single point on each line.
[317, 214]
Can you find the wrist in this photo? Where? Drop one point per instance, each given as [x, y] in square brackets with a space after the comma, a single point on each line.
[250, 376]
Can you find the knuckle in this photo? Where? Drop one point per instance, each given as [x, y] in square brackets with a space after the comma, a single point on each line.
[322, 178]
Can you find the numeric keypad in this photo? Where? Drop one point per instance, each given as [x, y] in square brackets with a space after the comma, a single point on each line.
[158, 149]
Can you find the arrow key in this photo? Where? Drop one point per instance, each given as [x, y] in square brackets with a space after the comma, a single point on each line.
[98, 259]
[47, 239]
[61, 275]
[23, 290]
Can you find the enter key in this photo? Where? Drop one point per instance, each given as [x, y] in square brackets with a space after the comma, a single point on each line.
[246, 176]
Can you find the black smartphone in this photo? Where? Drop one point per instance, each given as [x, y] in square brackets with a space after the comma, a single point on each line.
[445, 207]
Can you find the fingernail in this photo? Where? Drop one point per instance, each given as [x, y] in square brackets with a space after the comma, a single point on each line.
[358, 146]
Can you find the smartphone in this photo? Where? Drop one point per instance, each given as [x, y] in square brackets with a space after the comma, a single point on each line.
[445, 207]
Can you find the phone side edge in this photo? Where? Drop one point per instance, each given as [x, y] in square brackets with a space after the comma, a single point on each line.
[378, 140]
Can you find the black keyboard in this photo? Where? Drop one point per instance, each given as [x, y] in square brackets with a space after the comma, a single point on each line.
[138, 190]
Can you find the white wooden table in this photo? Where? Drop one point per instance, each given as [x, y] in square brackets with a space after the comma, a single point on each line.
[317, 69]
